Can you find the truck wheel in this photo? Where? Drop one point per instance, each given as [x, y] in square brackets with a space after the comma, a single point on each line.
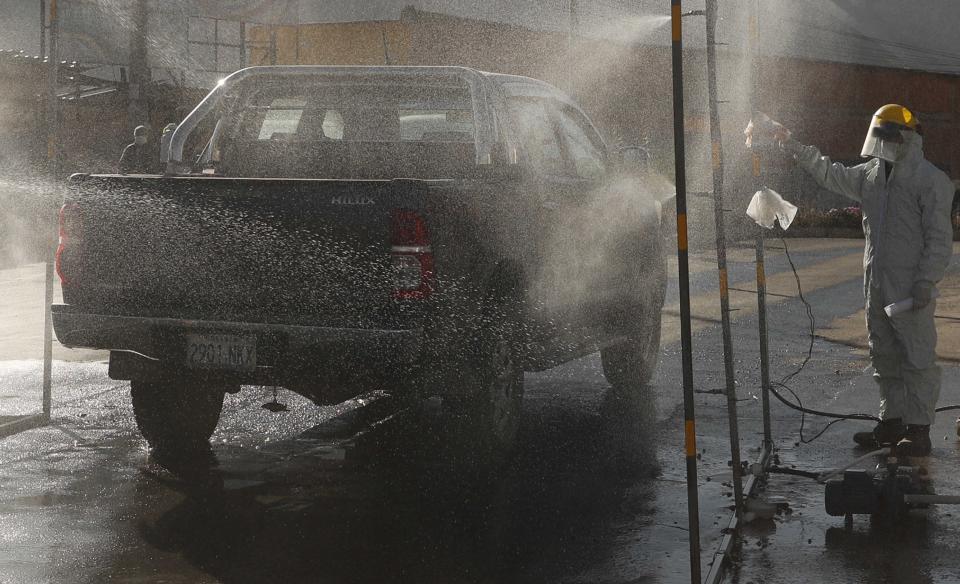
[630, 365]
[176, 415]
[483, 414]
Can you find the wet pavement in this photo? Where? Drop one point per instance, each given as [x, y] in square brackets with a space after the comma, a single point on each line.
[299, 495]
[595, 493]
[805, 544]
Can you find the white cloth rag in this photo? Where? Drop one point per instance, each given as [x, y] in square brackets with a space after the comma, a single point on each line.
[767, 207]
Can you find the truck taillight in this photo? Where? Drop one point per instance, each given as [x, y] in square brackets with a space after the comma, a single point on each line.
[71, 232]
[412, 256]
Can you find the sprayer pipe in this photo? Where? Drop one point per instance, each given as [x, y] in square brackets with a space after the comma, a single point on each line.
[716, 140]
[825, 476]
[683, 269]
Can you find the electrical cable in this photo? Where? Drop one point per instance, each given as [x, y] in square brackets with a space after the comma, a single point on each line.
[798, 406]
[811, 319]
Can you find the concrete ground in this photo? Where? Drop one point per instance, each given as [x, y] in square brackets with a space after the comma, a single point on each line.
[596, 492]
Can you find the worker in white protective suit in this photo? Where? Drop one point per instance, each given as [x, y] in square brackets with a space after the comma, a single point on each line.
[906, 203]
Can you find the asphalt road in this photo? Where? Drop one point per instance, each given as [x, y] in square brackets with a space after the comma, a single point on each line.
[595, 492]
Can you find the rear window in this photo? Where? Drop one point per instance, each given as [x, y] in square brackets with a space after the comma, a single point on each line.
[350, 130]
[352, 114]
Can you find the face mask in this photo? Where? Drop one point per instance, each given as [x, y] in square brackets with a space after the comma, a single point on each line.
[885, 141]
[141, 140]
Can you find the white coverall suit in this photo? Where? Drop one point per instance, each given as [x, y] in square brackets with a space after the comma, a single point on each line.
[909, 238]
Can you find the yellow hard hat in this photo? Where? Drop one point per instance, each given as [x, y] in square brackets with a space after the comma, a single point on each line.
[886, 133]
[893, 113]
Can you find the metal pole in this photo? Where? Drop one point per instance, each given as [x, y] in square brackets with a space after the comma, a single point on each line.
[686, 336]
[720, 227]
[761, 269]
[273, 47]
[243, 43]
[43, 28]
[297, 35]
[139, 67]
[573, 25]
[53, 168]
[572, 30]
[386, 44]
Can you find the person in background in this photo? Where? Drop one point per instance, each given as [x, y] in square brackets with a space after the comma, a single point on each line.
[138, 157]
[906, 203]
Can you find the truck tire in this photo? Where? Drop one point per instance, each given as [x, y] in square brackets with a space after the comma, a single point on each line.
[176, 415]
[483, 414]
[631, 365]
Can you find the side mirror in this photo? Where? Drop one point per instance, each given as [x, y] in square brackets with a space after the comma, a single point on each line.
[632, 159]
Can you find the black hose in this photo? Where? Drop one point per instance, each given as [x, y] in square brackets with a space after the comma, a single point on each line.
[805, 410]
[794, 471]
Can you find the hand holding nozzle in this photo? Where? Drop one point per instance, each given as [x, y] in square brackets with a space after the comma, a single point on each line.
[920, 297]
[761, 128]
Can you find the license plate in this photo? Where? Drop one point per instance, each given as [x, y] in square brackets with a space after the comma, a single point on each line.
[226, 352]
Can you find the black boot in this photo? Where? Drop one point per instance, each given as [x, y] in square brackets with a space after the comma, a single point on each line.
[886, 433]
[915, 442]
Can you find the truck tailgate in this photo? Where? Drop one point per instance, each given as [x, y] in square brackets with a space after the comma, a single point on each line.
[246, 250]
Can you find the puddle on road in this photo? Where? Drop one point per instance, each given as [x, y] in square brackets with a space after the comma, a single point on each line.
[43, 500]
[577, 498]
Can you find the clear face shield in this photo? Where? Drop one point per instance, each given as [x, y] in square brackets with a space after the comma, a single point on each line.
[884, 140]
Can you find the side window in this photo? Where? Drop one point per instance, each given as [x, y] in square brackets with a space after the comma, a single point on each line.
[582, 144]
[436, 125]
[281, 119]
[535, 130]
[332, 125]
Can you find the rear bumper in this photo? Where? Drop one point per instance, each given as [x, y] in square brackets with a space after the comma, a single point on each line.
[293, 347]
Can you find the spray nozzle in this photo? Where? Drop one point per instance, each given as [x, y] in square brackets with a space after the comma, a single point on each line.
[762, 127]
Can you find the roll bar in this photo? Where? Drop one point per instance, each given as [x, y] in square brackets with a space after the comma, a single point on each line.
[486, 130]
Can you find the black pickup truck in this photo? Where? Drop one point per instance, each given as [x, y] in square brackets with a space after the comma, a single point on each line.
[334, 230]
